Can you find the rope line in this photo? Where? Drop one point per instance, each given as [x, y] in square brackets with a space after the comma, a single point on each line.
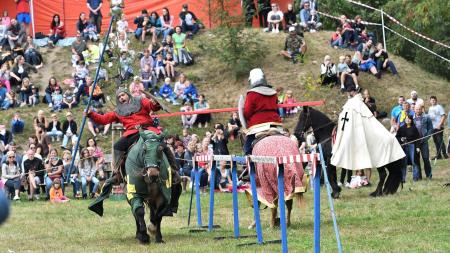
[350, 20]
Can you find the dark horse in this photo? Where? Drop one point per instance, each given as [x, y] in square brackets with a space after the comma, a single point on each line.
[322, 127]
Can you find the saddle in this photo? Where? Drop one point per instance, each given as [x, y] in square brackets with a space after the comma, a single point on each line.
[270, 132]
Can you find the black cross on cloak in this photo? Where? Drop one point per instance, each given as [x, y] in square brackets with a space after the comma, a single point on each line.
[345, 119]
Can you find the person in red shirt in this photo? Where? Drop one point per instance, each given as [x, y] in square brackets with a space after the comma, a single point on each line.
[260, 105]
[23, 13]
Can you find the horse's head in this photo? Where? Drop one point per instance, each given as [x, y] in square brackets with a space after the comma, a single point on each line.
[152, 154]
[151, 175]
[304, 123]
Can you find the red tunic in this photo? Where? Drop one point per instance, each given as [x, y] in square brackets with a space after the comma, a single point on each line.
[260, 109]
[142, 117]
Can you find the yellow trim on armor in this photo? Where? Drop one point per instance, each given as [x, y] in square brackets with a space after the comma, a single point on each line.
[131, 188]
[169, 181]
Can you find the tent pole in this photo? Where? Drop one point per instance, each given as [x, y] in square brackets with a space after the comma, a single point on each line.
[32, 18]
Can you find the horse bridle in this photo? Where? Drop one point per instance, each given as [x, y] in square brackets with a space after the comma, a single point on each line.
[309, 122]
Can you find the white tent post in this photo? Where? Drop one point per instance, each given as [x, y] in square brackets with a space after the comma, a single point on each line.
[384, 34]
[32, 19]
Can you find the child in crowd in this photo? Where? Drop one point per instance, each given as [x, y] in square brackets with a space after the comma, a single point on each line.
[225, 177]
[358, 180]
[170, 65]
[336, 39]
[56, 193]
[33, 99]
[344, 71]
[81, 72]
[166, 92]
[57, 100]
[136, 87]
[69, 100]
[159, 67]
[91, 30]
[289, 99]
[25, 91]
[17, 124]
[126, 71]
[122, 25]
[4, 24]
[187, 120]
[4, 76]
[147, 77]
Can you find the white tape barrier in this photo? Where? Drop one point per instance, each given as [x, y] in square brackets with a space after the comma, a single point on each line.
[350, 20]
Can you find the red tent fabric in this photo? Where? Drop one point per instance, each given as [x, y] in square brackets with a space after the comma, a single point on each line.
[69, 10]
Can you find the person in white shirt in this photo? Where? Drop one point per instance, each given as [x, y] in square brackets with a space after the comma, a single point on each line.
[437, 115]
[274, 18]
[414, 100]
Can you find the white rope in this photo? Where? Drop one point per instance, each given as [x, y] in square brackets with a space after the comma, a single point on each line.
[364, 5]
[425, 137]
[350, 20]
[424, 48]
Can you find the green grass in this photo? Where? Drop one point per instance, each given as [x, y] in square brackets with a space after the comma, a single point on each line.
[414, 220]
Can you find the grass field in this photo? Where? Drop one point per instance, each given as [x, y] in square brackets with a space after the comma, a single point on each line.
[417, 219]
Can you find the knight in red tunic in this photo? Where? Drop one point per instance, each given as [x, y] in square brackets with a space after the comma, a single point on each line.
[260, 106]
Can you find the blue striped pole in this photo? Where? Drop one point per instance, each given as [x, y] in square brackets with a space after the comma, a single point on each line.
[330, 200]
[74, 155]
[281, 204]
[212, 184]
[316, 184]
[197, 197]
[259, 234]
[235, 199]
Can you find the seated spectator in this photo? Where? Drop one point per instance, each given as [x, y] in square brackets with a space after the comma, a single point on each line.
[57, 100]
[136, 87]
[336, 38]
[370, 102]
[9, 101]
[328, 71]
[69, 130]
[122, 25]
[39, 119]
[234, 126]
[179, 86]
[146, 59]
[309, 19]
[159, 67]
[34, 144]
[359, 27]
[34, 168]
[294, 46]
[11, 175]
[126, 70]
[189, 22]
[81, 26]
[54, 129]
[4, 77]
[147, 77]
[20, 70]
[83, 89]
[166, 23]
[5, 22]
[3, 92]
[78, 46]
[17, 124]
[123, 42]
[188, 121]
[81, 72]
[57, 31]
[343, 70]
[96, 152]
[44, 140]
[25, 92]
[69, 99]
[290, 18]
[224, 179]
[50, 89]
[348, 33]
[179, 154]
[166, 92]
[33, 99]
[275, 19]
[88, 170]
[71, 174]
[170, 63]
[181, 52]
[56, 192]
[91, 30]
[54, 168]
[167, 46]
[200, 105]
[16, 34]
[98, 96]
[406, 134]
[381, 57]
[139, 22]
[190, 91]
[155, 22]
[289, 99]
[363, 57]
[415, 100]
[32, 54]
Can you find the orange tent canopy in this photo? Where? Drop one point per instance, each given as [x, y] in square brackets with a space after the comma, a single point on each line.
[69, 10]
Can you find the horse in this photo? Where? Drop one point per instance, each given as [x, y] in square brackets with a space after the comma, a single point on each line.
[322, 128]
[266, 175]
[152, 180]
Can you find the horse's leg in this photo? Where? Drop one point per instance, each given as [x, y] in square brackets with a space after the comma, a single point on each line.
[332, 178]
[379, 191]
[137, 206]
[273, 221]
[289, 209]
[395, 177]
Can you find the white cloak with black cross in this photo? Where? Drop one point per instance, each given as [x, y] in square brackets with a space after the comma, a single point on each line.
[361, 140]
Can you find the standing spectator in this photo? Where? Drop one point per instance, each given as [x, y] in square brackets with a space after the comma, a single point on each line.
[17, 124]
[34, 168]
[87, 169]
[71, 174]
[169, 64]
[95, 13]
[425, 127]
[166, 22]
[406, 111]
[264, 7]
[328, 71]
[289, 99]
[54, 129]
[294, 46]
[186, 170]
[160, 70]
[220, 141]
[44, 140]
[382, 60]
[407, 134]
[69, 130]
[359, 27]
[11, 175]
[126, 69]
[414, 100]
[290, 18]
[202, 104]
[81, 25]
[23, 13]
[57, 30]
[179, 154]
[234, 126]
[437, 115]
[123, 42]
[189, 21]
[97, 153]
[4, 77]
[54, 168]
[274, 19]
[147, 77]
[396, 110]
[186, 137]
[147, 59]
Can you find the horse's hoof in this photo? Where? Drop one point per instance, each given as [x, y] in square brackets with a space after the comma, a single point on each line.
[375, 194]
[252, 226]
[143, 238]
[151, 229]
[160, 241]
[288, 224]
[335, 195]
